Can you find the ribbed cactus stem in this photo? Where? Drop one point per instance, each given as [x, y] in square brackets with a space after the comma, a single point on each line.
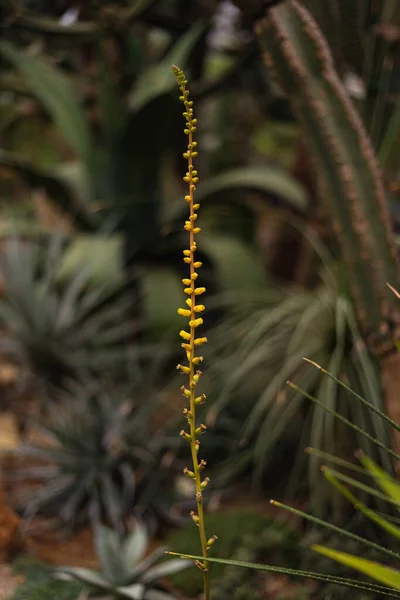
[349, 178]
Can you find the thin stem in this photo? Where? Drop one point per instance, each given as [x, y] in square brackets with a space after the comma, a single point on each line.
[190, 339]
[193, 449]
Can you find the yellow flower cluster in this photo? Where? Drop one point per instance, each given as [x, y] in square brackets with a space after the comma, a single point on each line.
[190, 340]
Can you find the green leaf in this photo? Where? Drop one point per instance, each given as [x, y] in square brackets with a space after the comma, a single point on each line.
[271, 182]
[165, 569]
[157, 595]
[159, 79]
[371, 514]
[389, 485]
[237, 266]
[352, 583]
[135, 591]
[101, 257]
[84, 575]
[162, 295]
[58, 186]
[108, 548]
[381, 573]
[55, 92]
[388, 148]
[135, 547]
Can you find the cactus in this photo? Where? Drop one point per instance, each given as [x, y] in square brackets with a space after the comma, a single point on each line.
[299, 57]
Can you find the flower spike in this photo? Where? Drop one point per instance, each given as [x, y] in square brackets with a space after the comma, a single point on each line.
[194, 322]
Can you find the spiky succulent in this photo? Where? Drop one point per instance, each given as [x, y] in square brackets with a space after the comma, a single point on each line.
[102, 463]
[54, 330]
[125, 572]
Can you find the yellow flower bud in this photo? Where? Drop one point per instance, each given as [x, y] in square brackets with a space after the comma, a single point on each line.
[194, 276]
[187, 260]
[188, 290]
[186, 281]
[188, 473]
[187, 198]
[211, 541]
[185, 391]
[184, 334]
[197, 265]
[199, 308]
[197, 360]
[196, 322]
[184, 312]
[196, 206]
[189, 302]
[186, 252]
[196, 230]
[195, 518]
[185, 435]
[199, 291]
[200, 341]
[182, 369]
[204, 483]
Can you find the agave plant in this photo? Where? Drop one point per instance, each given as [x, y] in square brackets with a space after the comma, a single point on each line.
[54, 330]
[99, 460]
[127, 570]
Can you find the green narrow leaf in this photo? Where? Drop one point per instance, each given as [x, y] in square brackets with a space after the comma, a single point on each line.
[352, 583]
[381, 573]
[358, 484]
[55, 92]
[347, 422]
[344, 532]
[371, 514]
[389, 485]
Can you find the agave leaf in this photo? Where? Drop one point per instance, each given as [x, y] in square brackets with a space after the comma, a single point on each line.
[159, 80]
[87, 576]
[108, 549]
[146, 563]
[135, 591]
[389, 485]
[135, 547]
[164, 570]
[55, 92]
[157, 595]
[381, 573]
